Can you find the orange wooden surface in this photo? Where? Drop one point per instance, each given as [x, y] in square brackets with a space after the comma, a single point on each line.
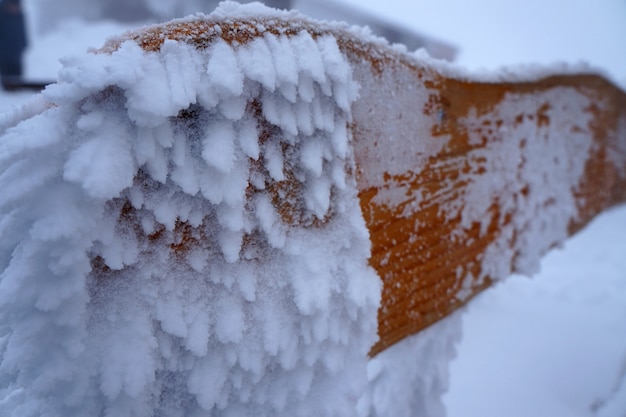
[423, 256]
[415, 137]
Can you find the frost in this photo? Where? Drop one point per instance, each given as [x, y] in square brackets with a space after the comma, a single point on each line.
[285, 64]
[223, 70]
[249, 140]
[274, 162]
[309, 59]
[313, 157]
[230, 323]
[159, 254]
[318, 196]
[549, 170]
[218, 146]
[234, 108]
[256, 62]
[103, 165]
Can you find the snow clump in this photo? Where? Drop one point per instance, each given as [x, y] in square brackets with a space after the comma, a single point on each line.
[181, 236]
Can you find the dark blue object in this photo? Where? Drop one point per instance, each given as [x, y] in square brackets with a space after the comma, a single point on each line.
[12, 40]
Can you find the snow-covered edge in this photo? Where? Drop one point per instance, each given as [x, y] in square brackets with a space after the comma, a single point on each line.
[136, 294]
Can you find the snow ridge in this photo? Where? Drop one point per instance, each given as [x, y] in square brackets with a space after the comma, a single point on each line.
[181, 236]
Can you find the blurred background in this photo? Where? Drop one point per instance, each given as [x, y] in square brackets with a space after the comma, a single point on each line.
[552, 346]
[478, 33]
[48, 14]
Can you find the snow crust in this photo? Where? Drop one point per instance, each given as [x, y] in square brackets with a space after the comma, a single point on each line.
[154, 261]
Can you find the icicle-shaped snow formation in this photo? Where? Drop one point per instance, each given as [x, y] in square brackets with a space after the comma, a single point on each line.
[181, 236]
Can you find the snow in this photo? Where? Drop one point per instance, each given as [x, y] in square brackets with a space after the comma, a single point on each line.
[409, 378]
[126, 222]
[221, 333]
[552, 169]
[552, 345]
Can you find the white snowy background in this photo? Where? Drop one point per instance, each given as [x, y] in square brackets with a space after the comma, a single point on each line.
[553, 345]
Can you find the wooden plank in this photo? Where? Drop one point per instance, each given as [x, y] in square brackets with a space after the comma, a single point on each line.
[461, 181]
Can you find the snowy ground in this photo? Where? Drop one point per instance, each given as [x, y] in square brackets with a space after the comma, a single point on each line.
[551, 345]
[555, 344]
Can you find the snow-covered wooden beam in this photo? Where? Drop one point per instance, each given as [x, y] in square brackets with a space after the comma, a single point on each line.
[197, 218]
[481, 179]
[463, 179]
